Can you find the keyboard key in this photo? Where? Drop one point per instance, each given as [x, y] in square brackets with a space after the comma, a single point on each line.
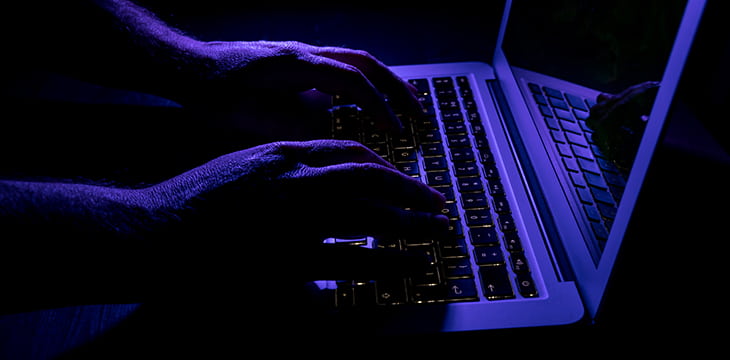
[578, 180]
[506, 223]
[344, 294]
[552, 92]
[576, 139]
[405, 155]
[462, 154]
[595, 180]
[436, 178]
[484, 236]
[607, 211]
[540, 99]
[486, 156]
[461, 289]
[592, 212]
[562, 112]
[465, 168]
[525, 285]
[501, 206]
[582, 152]
[443, 82]
[449, 105]
[453, 247]
[474, 201]
[552, 123]
[432, 150]
[458, 140]
[455, 230]
[534, 88]
[462, 82]
[435, 163]
[422, 294]
[477, 129]
[495, 282]
[558, 104]
[455, 128]
[570, 126]
[584, 194]
[599, 231]
[602, 196]
[449, 115]
[421, 85]
[614, 179]
[390, 292]
[488, 255]
[491, 172]
[519, 263]
[409, 168]
[576, 102]
[456, 268]
[470, 184]
[512, 242]
[473, 116]
[495, 187]
[589, 165]
[478, 217]
[450, 210]
[445, 93]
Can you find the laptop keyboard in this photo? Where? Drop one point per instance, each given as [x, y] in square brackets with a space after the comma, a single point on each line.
[482, 258]
[597, 182]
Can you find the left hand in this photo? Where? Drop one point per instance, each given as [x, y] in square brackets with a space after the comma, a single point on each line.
[234, 70]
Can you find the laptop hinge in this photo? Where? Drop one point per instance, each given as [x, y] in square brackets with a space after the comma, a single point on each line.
[545, 219]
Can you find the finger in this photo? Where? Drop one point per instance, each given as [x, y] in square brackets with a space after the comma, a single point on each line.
[335, 77]
[353, 262]
[329, 152]
[380, 183]
[400, 91]
[384, 220]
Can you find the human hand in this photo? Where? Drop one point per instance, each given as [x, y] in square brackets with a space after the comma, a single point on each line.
[619, 121]
[283, 199]
[236, 70]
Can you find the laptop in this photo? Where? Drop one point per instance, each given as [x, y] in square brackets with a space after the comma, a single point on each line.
[539, 207]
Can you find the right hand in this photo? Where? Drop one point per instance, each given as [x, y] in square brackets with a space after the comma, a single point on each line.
[285, 198]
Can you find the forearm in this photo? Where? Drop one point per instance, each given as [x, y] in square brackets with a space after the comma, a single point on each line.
[69, 208]
[109, 42]
[64, 244]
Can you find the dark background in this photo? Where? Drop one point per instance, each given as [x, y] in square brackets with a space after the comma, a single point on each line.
[675, 244]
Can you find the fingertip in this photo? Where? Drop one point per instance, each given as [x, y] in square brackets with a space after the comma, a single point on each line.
[439, 197]
[391, 122]
[442, 220]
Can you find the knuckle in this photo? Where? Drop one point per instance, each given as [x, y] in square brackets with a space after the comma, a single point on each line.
[364, 54]
[282, 147]
[352, 145]
[368, 168]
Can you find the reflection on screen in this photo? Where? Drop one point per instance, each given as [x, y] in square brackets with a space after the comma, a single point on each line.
[604, 45]
[619, 48]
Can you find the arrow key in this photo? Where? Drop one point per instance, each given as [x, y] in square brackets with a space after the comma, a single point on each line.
[496, 282]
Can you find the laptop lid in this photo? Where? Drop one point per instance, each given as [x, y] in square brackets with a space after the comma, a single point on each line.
[611, 46]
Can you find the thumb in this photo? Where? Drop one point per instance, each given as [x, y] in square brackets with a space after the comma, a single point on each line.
[344, 262]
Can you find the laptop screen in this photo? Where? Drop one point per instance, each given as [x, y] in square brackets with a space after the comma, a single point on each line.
[616, 47]
[608, 47]
[604, 45]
